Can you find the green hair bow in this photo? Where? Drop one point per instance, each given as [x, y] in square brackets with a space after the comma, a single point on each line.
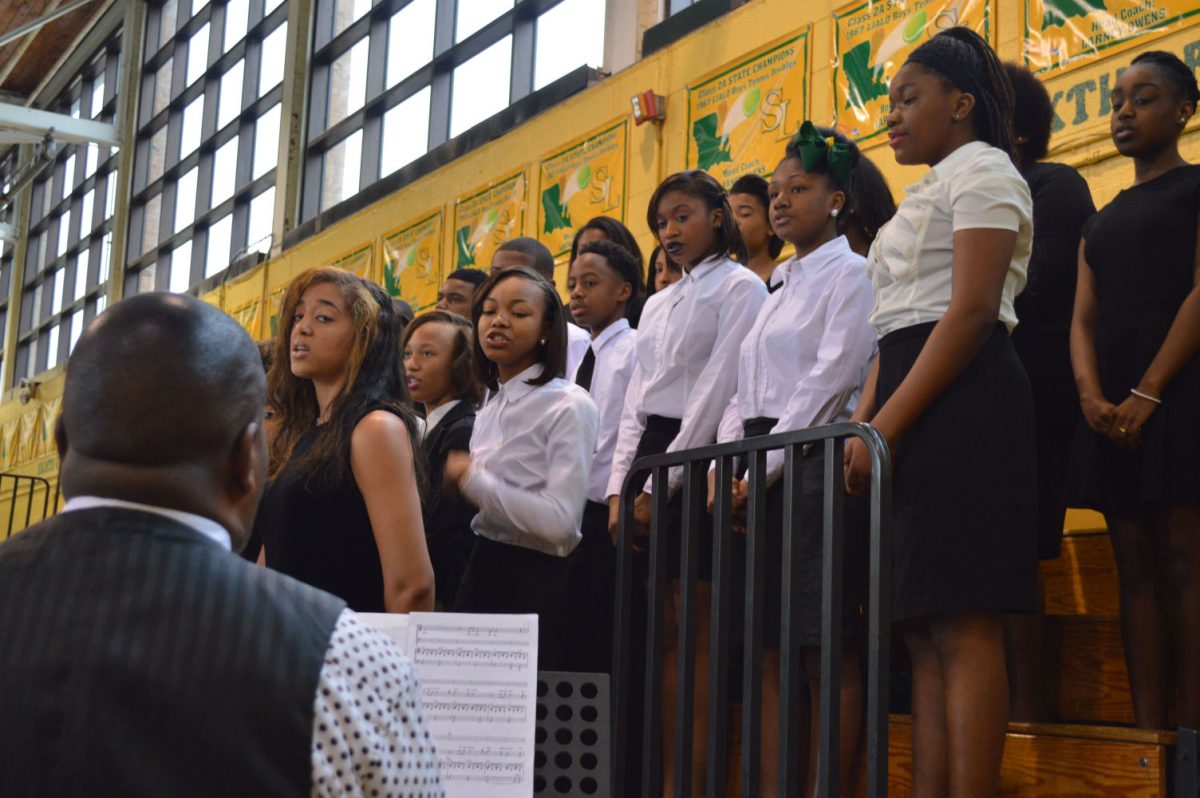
[815, 149]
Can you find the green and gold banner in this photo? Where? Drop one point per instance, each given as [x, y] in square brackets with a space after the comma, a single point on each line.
[1081, 96]
[486, 218]
[581, 180]
[872, 40]
[358, 261]
[741, 116]
[1063, 34]
[412, 257]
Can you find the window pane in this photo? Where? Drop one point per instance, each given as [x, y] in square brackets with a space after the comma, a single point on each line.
[347, 83]
[56, 300]
[229, 102]
[193, 119]
[97, 94]
[90, 160]
[64, 229]
[410, 39]
[76, 329]
[110, 195]
[150, 223]
[480, 87]
[474, 14]
[157, 155]
[345, 12]
[68, 175]
[185, 199]
[266, 142]
[405, 133]
[219, 234]
[162, 87]
[101, 303]
[270, 73]
[147, 278]
[224, 171]
[181, 268]
[197, 58]
[569, 35]
[262, 213]
[81, 270]
[166, 21]
[105, 259]
[271, 5]
[236, 12]
[52, 348]
[85, 214]
[341, 172]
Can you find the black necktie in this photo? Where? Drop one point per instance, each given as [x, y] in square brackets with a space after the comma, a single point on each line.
[583, 377]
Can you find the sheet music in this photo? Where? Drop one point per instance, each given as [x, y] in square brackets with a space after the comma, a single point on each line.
[479, 692]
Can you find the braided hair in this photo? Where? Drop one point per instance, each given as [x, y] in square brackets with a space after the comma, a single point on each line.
[963, 60]
[1175, 71]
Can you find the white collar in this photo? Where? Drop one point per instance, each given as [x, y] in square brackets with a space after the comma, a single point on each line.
[822, 256]
[518, 386]
[434, 417]
[949, 166]
[205, 526]
[702, 268]
[610, 332]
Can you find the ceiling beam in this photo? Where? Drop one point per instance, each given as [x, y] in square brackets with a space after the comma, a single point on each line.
[61, 127]
[44, 19]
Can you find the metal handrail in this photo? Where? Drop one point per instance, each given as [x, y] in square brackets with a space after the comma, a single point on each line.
[695, 461]
[33, 483]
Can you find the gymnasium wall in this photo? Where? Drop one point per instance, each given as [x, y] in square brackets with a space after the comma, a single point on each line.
[735, 91]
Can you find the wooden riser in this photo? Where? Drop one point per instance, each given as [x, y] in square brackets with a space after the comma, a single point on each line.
[1057, 760]
[1086, 680]
[1083, 580]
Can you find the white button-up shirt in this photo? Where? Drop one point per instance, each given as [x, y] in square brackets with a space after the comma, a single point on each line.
[911, 261]
[351, 752]
[531, 457]
[578, 341]
[616, 356]
[806, 357]
[688, 341]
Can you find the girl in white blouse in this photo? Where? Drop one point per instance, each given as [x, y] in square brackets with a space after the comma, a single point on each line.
[686, 373]
[802, 365]
[531, 456]
[953, 402]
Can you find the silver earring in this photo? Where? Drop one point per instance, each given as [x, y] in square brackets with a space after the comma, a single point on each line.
[834, 213]
[542, 342]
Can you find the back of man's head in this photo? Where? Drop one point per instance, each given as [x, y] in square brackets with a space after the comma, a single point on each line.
[160, 392]
[534, 255]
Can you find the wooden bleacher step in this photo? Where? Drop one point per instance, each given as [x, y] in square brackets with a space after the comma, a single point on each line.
[1086, 679]
[1042, 759]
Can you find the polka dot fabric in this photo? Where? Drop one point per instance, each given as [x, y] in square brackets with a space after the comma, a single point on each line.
[369, 734]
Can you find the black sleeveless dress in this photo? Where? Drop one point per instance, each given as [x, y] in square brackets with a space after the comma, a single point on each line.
[322, 536]
[1141, 249]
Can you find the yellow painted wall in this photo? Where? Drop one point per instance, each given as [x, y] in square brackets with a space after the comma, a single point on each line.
[657, 150]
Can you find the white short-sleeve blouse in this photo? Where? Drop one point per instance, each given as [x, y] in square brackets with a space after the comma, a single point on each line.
[910, 263]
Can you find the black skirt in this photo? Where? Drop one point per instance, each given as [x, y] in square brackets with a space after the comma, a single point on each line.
[807, 538]
[504, 578]
[591, 575]
[964, 485]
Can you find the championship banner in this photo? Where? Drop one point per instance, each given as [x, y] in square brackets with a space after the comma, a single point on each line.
[1063, 34]
[48, 418]
[274, 302]
[741, 116]
[872, 40]
[412, 257]
[9, 442]
[486, 218]
[582, 180]
[357, 261]
[27, 448]
[1081, 98]
[249, 316]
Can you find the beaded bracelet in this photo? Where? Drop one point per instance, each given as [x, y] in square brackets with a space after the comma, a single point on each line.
[1145, 396]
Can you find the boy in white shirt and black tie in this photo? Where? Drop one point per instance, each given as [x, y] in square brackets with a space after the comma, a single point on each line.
[604, 278]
